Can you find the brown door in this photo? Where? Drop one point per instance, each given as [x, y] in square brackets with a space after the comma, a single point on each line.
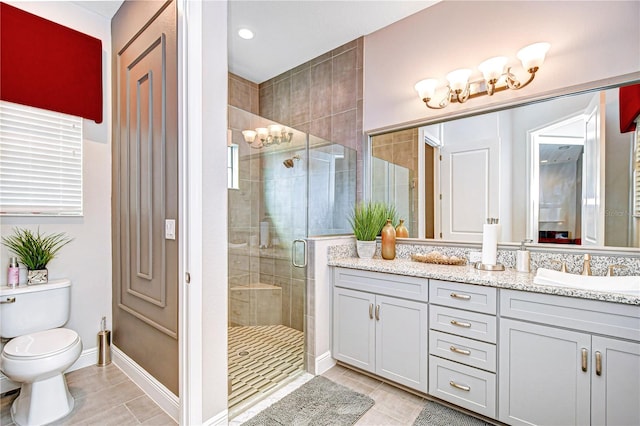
[145, 187]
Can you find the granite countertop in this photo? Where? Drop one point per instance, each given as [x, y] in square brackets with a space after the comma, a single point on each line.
[507, 279]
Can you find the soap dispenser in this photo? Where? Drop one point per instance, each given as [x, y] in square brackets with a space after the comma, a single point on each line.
[523, 257]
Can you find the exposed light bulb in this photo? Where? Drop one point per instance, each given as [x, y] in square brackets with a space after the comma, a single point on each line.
[245, 33]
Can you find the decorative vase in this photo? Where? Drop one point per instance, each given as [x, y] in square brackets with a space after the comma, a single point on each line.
[365, 249]
[37, 276]
[401, 230]
[388, 241]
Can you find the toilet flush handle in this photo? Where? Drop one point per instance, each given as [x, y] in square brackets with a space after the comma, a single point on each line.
[9, 300]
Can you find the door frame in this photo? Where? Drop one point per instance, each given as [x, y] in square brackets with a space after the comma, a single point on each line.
[200, 70]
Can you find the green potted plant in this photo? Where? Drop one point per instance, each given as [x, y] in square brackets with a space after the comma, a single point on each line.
[35, 250]
[367, 220]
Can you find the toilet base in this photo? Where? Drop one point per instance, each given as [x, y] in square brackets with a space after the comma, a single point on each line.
[42, 402]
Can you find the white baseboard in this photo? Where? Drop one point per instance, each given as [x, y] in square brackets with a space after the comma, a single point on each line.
[324, 362]
[87, 357]
[152, 387]
[221, 419]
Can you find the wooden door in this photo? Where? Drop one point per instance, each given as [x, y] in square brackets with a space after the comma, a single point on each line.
[145, 188]
[469, 178]
[593, 174]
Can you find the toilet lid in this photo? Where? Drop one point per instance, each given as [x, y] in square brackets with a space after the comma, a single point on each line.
[41, 344]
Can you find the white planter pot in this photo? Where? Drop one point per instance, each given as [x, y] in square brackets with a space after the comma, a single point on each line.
[365, 249]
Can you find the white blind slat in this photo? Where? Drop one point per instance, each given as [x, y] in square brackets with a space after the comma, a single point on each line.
[40, 162]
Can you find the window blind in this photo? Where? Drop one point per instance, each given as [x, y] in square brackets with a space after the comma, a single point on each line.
[40, 162]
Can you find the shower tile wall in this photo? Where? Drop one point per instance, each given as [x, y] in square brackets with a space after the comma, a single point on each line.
[243, 94]
[323, 97]
[264, 288]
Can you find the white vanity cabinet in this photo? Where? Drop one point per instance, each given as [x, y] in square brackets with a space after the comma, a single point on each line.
[462, 345]
[380, 325]
[568, 361]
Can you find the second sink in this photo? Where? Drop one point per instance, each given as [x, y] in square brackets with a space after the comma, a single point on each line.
[625, 285]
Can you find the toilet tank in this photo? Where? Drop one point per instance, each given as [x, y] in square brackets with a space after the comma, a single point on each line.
[34, 308]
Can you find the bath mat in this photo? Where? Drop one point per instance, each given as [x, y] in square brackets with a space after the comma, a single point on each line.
[318, 402]
[434, 414]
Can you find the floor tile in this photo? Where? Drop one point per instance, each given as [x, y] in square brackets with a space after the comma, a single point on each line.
[404, 410]
[143, 408]
[103, 396]
[373, 417]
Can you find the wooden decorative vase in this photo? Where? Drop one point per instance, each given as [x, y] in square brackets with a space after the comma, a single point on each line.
[401, 230]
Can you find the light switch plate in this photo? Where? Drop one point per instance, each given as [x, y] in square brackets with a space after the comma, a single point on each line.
[169, 229]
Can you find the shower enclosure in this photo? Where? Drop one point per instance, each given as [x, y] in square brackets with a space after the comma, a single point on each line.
[278, 196]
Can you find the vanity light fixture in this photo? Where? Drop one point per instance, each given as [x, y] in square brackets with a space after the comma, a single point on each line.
[263, 137]
[494, 78]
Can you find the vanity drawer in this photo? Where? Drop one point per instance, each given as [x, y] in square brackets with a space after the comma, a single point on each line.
[463, 323]
[412, 288]
[593, 316]
[464, 296]
[465, 386]
[466, 351]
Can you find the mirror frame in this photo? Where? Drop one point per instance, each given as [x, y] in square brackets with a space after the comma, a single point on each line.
[605, 84]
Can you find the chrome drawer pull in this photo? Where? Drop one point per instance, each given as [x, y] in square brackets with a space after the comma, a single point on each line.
[460, 324]
[459, 351]
[370, 310]
[460, 296]
[461, 387]
[377, 312]
[9, 300]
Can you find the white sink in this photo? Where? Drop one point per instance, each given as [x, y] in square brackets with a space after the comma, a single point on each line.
[624, 285]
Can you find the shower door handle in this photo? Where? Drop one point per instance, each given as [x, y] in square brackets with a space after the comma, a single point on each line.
[293, 253]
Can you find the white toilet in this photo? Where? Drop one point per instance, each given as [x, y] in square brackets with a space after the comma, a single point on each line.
[39, 352]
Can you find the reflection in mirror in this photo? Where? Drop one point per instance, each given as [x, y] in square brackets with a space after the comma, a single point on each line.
[557, 172]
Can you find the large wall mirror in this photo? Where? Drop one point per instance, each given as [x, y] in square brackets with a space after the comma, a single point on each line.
[557, 171]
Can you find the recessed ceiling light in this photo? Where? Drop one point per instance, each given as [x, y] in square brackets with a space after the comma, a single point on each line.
[245, 33]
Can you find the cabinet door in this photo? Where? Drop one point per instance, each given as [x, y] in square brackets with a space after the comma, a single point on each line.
[354, 328]
[541, 375]
[615, 386]
[401, 341]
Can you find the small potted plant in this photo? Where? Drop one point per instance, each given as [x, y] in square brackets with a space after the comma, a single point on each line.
[367, 220]
[35, 250]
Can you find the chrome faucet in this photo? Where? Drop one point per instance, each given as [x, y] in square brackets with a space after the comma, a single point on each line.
[586, 269]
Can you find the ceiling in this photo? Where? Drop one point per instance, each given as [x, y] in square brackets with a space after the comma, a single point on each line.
[289, 33]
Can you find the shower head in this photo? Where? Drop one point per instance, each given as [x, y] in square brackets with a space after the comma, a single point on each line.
[288, 163]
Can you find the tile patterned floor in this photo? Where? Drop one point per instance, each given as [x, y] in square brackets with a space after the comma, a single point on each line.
[103, 396]
[106, 396]
[392, 406]
[261, 357]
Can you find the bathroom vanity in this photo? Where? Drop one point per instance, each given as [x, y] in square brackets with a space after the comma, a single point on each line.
[491, 342]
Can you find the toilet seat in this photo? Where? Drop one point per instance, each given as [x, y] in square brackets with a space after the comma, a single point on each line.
[41, 344]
